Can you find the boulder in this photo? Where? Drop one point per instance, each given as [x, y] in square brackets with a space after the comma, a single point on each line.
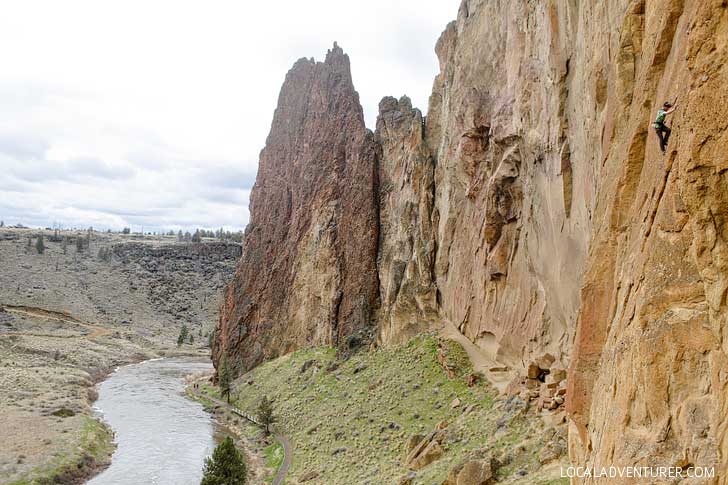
[545, 361]
[476, 472]
[432, 452]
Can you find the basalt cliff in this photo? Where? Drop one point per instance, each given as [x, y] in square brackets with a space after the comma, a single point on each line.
[531, 210]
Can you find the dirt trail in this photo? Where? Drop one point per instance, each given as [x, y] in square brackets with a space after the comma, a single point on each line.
[479, 359]
[95, 330]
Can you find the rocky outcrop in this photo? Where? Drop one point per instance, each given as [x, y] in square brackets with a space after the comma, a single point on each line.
[406, 233]
[308, 273]
[533, 210]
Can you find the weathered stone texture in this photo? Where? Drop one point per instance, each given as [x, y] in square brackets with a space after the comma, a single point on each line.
[533, 210]
[308, 271]
[406, 232]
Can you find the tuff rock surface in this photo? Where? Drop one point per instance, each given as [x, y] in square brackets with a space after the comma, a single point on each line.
[532, 209]
[308, 272]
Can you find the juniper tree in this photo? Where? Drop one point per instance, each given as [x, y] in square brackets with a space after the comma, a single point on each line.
[226, 466]
[64, 244]
[265, 414]
[182, 335]
[224, 378]
[39, 244]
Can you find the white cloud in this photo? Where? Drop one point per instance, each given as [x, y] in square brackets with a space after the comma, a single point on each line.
[154, 113]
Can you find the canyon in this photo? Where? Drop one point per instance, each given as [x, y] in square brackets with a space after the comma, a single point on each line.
[531, 209]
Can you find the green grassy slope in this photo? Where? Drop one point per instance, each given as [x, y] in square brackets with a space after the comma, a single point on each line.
[349, 420]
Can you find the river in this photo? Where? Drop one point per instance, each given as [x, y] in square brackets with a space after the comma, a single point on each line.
[162, 437]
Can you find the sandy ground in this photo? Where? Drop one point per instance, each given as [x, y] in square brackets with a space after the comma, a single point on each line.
[68, 318]
[479, 357]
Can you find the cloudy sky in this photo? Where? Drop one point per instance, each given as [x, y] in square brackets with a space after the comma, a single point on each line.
[152, 113]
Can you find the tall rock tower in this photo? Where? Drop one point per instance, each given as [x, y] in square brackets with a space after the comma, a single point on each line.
[308, 272]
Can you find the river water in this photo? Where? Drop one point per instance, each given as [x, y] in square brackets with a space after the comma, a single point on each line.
[162, 437]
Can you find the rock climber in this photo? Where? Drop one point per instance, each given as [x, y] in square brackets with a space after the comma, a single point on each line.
[663, 131]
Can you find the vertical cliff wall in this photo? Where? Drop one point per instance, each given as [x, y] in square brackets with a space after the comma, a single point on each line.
[308, 272]
[407, 245]
[512, 180]
[531, 208]
[648, 372]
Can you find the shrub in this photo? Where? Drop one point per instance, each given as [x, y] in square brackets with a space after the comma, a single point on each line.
[182, 335]
[40, 245]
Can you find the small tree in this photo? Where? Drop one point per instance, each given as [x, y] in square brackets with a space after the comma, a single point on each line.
[265, 414]
[30, 244]
[126, 230]
[197, 236]
[224, 378]
[182, 335]
[64, 244]
[2, 223]
[79, 244]
[39, 244]
[226, 466]
[180, 236]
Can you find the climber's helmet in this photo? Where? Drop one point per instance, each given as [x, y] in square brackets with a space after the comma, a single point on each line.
[667, 104]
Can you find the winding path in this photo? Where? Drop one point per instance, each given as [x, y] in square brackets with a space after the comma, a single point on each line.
[94, 329]
[285, 442]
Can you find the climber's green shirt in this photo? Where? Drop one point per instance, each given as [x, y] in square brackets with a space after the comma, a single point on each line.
[661, 114]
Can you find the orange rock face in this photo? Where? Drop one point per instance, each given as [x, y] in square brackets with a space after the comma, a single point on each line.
[532, 209]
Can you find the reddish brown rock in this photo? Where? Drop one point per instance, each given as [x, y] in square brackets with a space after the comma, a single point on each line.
[308, 272]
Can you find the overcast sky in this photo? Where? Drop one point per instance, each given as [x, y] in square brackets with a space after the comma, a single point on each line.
[153, 113]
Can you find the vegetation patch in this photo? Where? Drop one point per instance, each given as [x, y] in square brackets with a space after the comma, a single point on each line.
[94, 447]
[349, 421]
[64, 413]
[273, 456]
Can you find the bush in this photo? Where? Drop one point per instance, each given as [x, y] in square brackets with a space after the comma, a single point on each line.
[182, 335]
[226, 466]
[105, 254]
[40, 245]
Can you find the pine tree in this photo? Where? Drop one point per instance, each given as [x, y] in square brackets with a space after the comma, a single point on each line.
[39, 244]
[196, 237]
[265, 414]
[226, 466]
[182, 335]
[224, 378]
